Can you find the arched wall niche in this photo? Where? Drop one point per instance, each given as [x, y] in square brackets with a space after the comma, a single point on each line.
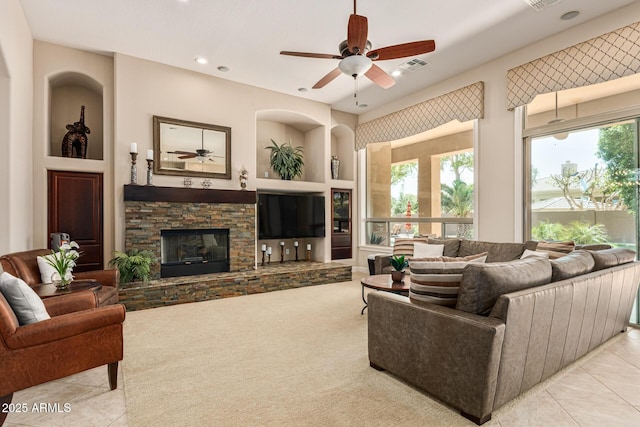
[342, 146]
[68, 92]
[284, 126]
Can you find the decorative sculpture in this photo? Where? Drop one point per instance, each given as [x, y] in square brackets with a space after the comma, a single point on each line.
[75, 140]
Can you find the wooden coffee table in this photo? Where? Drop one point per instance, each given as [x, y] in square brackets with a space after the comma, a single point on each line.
[48, 290]
[383, 282]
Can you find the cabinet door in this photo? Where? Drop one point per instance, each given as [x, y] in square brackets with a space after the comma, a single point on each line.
[75, 208]
[341, 232]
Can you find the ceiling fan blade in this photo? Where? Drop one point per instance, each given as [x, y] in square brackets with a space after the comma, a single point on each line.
[357, 33]
[379, 77]
[402, 50]
[327, 79]
[182, 152]
[311, 55]
[187, 156]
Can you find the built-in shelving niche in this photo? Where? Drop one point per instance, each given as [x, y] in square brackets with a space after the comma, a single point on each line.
[68, 93]
[284, 126]
[342, 146]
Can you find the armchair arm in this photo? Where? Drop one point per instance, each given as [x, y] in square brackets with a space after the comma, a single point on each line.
[66, 325]
[450, 354]
[381, 261]
[105, 277]
[64, 304]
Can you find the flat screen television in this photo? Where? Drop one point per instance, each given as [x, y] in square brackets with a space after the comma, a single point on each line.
[288, 216]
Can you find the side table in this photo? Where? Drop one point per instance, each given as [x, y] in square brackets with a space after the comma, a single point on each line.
[48, 290]
[383, 282]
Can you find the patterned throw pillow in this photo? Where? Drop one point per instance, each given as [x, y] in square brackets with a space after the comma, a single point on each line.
[405, 246]
[437, 280]
[556, 249]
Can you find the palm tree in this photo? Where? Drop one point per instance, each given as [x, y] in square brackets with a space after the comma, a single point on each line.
[457, 200]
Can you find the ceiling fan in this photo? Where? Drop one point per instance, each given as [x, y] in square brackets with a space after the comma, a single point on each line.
[201, 154]
[356, 55]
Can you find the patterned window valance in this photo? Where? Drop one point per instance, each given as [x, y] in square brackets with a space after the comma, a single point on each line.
[607, 57]
[464, 104]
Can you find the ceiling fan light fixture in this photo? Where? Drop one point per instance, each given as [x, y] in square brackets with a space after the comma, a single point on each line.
[355, 65]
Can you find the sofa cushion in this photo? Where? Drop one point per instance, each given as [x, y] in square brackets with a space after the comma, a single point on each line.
[482, 284]
[404, 246]
[426, 250]
[437, 280]
[451, 246]
[497, 252]
[571, 265]
[611, 257]
[25, 303]
[556, 249]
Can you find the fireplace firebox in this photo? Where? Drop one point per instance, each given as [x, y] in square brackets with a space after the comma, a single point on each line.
[186, 252]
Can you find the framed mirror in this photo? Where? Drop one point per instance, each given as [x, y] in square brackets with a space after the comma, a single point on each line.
[188, 148]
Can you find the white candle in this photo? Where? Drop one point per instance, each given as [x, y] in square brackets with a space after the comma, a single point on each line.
[281, 243]
[149, 154]
[308, 246]
[269, 250]
[134, 147]
[264, 247]
[295, 244]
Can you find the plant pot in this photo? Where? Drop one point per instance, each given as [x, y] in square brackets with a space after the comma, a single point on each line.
[397, 276]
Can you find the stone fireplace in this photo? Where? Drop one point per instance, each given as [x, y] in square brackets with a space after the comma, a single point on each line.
[150, 210]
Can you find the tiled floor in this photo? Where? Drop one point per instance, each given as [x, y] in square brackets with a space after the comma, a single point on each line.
[604, 390]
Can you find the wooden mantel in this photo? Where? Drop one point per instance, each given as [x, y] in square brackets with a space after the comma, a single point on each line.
[152, 193]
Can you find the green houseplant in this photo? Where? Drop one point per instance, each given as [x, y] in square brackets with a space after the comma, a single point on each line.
[286, 160]
[133, 265]
[399, 263]
[63, 262]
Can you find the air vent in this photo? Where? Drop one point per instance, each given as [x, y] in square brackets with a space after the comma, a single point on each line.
[412, 65]
[540, 4]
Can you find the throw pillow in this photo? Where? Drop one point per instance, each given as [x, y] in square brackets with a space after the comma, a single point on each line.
[482, 284]
[26, 304]
[437, 280]
[426, 250]
[529, 252]
[47, 270]
[451, 246]
[556, 249]
[405, 246]
[571, 265]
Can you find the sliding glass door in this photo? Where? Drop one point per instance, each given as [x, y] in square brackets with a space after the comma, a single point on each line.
[582, 185]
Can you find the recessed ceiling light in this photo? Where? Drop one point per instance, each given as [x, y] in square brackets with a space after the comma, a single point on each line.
[396, 73]
[302, 89]
[363, 105]
[200, 60]
[570, 15]
[223, 68]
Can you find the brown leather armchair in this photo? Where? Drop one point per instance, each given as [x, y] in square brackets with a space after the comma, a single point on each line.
[79, 336]
[24, 265]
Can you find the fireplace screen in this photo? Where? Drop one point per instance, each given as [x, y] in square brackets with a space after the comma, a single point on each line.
[188, 252]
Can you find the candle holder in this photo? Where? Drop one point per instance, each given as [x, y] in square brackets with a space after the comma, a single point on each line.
[281, 253]
[149, 172]
[268, 258]
[134, 168]
[297, 254]
[308, 254]
[263, 252]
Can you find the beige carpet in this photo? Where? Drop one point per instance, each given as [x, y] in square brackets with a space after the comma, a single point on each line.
[296, 357]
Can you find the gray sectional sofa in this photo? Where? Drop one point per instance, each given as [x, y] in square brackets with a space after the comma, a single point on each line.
[516, 323]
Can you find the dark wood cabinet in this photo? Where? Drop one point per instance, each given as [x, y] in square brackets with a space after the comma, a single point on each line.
[341, 231]
[75, 207]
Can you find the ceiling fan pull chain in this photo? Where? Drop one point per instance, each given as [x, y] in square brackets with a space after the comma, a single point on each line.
[355, 90]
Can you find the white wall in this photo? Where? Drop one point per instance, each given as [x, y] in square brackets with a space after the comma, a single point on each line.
[145, 88]
[16, 101]
[499, 198]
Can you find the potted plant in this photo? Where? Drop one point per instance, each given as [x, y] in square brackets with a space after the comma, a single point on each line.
[399, 263]
[63, 262]
[133, 265]
[286, 160]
